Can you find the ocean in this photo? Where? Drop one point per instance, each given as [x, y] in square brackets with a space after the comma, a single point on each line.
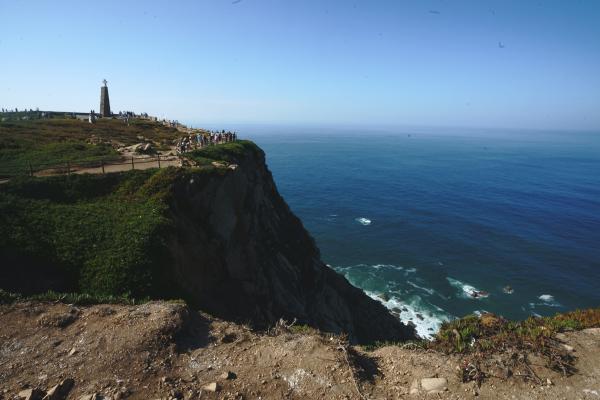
[435, 224]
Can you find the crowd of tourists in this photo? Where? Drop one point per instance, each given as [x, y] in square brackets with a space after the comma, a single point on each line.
[200, 140]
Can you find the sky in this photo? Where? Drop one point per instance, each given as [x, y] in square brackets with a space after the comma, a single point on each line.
[498, 64]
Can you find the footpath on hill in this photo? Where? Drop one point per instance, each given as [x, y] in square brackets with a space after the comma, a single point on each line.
[163, 350]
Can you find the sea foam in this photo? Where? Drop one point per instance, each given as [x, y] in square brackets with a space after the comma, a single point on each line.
[363, 221]
[427, 323]
[466, 290]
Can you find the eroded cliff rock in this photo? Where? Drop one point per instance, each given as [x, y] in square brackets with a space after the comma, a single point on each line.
[240, 253]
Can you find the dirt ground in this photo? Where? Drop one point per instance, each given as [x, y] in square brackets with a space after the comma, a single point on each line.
[162, 350]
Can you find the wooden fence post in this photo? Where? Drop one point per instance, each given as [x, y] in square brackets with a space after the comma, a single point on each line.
[30, 169]
[158, 157]
[103, 166]
[132, 166]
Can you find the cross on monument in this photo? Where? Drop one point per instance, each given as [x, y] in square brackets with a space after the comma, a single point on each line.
[105, 82]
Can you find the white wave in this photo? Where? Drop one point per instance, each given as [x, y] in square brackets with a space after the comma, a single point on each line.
[410, 270]
[547, 298]
[547, 301]
[376, 267]
[427, 323]
[467, 291]
[363, 221]
[427, 290]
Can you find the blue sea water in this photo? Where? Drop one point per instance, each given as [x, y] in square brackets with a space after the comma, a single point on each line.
[422, 219]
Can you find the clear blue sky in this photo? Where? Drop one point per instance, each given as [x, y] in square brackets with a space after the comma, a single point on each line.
[433, 63]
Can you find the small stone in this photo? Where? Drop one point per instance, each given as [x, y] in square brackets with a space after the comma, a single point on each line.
[549, 382]
[228, 375]
[31, 394]
[211, 387]
[414, 387]
[434, 385]
[73, 351]
[94, 396]
[568, 348]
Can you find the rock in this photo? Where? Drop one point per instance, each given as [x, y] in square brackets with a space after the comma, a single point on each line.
[549, 382]
[94, 396]
[219, 164]
[31, 394]
[60, 391]
[434, 385]
[592, 331]
[147, 147]
[211, 387]
[568, 348]
[228, 375]
[73, 351]
[414, 387]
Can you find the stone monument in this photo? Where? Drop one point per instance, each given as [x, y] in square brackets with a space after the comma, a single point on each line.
[104, 101]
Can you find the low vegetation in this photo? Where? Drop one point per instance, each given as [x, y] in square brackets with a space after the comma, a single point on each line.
[102, 235]
[95, 234]
[82, 299]
[513, 342]
[38, 144]
[233, 152]
[489, 332]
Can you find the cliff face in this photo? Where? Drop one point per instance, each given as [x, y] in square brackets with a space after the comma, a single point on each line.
[240, 253]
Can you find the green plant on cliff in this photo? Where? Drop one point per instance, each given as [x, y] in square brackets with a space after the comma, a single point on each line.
[101, 234]
[233, 152]
[104, 235]
[488, 332]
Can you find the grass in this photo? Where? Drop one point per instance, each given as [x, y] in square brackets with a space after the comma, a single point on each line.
[234, 152]
[488, 332]
[50, 142]
[100, 234]
[82, 299]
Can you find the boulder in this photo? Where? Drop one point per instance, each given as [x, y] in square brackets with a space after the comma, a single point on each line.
[60, 391]
[228, 375]
[211, 387]
[31, 394]
[434, 385]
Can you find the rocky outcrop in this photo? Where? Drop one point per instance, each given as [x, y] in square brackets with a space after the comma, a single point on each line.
[240, 253]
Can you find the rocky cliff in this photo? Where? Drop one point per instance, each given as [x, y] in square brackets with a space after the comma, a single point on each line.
[241, 253]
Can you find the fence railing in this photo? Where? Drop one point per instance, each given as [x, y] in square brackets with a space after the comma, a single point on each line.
[102, 165]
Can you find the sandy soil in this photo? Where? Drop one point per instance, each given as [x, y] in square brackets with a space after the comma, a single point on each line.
[163, 350]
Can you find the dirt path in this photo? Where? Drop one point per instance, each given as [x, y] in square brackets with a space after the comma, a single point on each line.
[162, 350]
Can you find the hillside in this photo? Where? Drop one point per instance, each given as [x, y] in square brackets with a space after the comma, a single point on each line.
[217, 235]
[163, 350]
